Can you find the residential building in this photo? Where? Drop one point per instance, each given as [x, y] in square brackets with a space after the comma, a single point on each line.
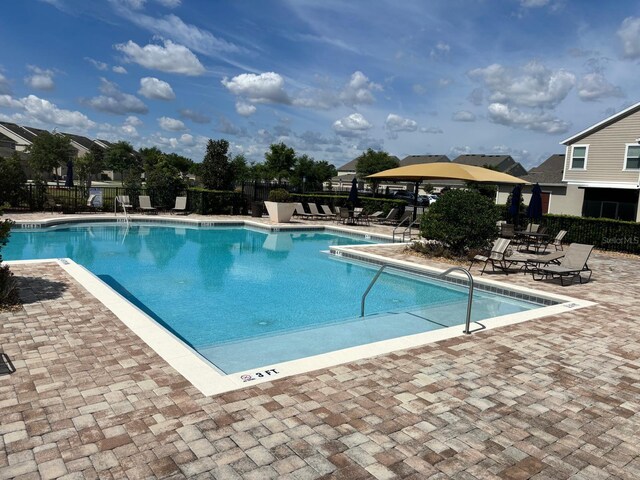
[602, 167]
[500, 163]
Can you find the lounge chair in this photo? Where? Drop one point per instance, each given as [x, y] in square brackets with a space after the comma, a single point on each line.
[507, 230]
[397, 221]
[299, 211]
[123, 201]
[376, 215]
[326, 209]
[391, 216]
[181, 205]
[313, 208]
[343, 216]
[145, 204]
[90, 205]
[556, 242]
[530, 262]
[496, 257]
[573, 264]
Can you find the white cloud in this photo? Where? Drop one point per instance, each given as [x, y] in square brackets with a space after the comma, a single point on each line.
[7, 101]
[629, 33]
[463, 116]
[440, 50]
[396, 123]
[194, 116]
[170, 3]
[534, 85]
[4, 85]
[133, 121]
[172, 58]
[171, 124]
[352, 125]
[359, 90]
[98, 64]
[40, 79]
[266, 87]
[536, 121]
[245, 109]
[35, 109]
[134, 4]
[152, 87]
[187, 139]
[114, 101]
[434, 130]
[534, 3]
[119, 69]
[595, 86]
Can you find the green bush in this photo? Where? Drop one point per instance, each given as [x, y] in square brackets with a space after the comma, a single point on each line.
[279, 195]
[212, 202]
[461, 220]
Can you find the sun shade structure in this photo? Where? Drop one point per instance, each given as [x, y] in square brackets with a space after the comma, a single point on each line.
[446, 171]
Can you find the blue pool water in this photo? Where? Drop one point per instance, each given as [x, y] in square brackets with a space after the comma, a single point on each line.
[244, 298]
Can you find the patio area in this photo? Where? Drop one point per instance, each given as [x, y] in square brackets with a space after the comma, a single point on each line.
[547, 399]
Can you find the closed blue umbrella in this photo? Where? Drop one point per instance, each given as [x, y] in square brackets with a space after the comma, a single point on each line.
[353, 193]
[514, 208]
[534, 210]
[69, 180]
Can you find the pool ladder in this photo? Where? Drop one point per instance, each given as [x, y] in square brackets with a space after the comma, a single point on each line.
[467, 328]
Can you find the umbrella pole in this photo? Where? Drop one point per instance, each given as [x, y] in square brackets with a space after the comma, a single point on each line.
[415, 201]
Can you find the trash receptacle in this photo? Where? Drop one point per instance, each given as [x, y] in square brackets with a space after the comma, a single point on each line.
[256, 209]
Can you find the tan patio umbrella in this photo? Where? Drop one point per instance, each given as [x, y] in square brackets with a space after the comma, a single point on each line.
[445, 171]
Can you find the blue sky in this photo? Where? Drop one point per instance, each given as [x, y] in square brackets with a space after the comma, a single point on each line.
[329, 78]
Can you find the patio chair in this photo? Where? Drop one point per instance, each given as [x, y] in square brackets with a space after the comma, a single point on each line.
[402, 220]
[299, 211]
[327, 210]
[123, 201]
[181, 205]
[90, 206]
[530, 262]
[343, 216]
[391, 216]
[496, 257]
[376, 215]
[145, 204]
[556, 242]
[573, 264]
[313, 208]
[507, 230]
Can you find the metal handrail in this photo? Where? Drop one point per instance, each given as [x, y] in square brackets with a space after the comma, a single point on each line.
[411, 225]
[364, 295]
[124, 209]
[393, 237]
[467, 328]
[468, 274]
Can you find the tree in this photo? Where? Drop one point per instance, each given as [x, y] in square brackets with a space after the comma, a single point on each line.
[216, 169]
[461, 220]
[183, 164]
[12, 180]
[122, 158]
[371, 162]
[48, 152]
[150, 157]
[239, 169]
[310, 174]
[165, 183]
[280, 160]
[88, 165]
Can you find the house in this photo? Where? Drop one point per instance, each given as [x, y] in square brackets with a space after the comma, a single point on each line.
[602, 167]
[554, 190]
[418, 159]
[21, 137]
[500, 163]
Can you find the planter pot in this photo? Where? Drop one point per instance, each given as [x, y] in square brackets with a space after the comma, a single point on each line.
[279, 212]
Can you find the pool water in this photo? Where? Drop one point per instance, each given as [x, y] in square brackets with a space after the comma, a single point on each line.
[244, 298]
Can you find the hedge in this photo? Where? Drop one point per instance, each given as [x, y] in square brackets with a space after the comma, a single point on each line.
[212, 202]
[604, 233]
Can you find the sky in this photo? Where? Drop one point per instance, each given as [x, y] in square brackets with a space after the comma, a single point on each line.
[329, 78]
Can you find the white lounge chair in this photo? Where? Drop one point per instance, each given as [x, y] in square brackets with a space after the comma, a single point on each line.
[181, 205]
[496, 257]
[145, 204]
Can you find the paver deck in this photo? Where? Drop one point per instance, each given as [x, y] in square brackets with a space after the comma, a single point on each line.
[551, 398]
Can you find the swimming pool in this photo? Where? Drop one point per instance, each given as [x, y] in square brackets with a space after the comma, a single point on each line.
[245, 298]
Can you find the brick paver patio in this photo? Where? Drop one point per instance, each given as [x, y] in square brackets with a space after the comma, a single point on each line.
[548, 399]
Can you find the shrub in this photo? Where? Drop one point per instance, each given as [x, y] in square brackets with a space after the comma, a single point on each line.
[279, 195]
[462, 220]
[212, 202]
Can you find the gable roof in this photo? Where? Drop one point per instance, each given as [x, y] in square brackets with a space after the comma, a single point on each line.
[79, 139]
[548, 172]
[19, 131]
[416, 159]
[351, 166]
[603, 124]
[502, 163]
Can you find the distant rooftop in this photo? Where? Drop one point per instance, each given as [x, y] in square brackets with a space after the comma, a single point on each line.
[502, 163]
[548, 172]
[420, 159]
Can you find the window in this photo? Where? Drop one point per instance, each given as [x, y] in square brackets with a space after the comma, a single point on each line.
[579, 157]
[632, 158]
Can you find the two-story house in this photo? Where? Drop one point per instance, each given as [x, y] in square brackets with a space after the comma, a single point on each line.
[602, 167]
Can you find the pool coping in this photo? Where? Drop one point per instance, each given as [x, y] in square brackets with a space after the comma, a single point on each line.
[209, 380]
